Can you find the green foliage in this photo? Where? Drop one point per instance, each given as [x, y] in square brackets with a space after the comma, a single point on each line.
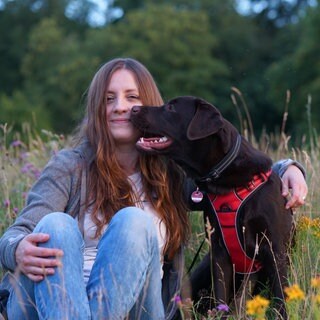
[299, 71]
[160, 36]
[49, 54]
[21, 108]
[56, 73]
[14, 28]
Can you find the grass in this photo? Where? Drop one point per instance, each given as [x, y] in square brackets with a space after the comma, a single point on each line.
[22, 157]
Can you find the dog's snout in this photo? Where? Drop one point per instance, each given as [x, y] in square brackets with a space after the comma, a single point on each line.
[136, 109]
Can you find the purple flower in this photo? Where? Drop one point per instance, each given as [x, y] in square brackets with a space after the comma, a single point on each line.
[223, 307]
[31, 170]
[6, 203]
[16, 143]
[177, 299]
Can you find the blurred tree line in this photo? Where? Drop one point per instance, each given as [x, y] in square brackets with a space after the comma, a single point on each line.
[50, 49]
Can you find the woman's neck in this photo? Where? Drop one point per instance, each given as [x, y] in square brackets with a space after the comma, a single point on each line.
[128, 159]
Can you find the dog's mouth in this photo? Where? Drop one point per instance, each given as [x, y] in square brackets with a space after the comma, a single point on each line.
[154, 143]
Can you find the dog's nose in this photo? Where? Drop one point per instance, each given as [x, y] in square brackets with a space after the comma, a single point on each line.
[136, 109]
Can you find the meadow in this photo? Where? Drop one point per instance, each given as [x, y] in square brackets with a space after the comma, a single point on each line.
[23, 156]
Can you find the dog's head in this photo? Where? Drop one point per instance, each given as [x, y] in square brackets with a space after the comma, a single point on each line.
[179, 129]
[180, 119]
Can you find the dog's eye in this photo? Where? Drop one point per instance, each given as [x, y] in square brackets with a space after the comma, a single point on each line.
[171, 107]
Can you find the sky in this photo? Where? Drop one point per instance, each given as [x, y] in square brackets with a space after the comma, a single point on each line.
[98, 16]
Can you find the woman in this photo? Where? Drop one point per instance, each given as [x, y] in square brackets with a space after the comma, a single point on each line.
[100, 237]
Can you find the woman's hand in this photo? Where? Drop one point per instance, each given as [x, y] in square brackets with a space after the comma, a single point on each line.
[293, 179]
[36, 262]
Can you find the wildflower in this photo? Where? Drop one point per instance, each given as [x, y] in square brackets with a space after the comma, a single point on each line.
[316, 223]
[315, 282]
[316, 234]
[223, 307]
[31, 170]
[178, 301]
[304, 223]
[316, 299]
[16, 143]
[6, 203]
[257, 307]
[294, 293]
[212, 313]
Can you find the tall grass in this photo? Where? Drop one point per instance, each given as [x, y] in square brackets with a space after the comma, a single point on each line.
[23, 156]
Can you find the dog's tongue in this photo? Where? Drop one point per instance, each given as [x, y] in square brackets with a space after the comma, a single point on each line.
[157, 143]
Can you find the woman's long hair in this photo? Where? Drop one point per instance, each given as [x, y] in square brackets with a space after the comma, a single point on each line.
[109, 188]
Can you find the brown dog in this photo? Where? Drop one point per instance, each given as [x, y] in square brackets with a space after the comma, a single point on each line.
[238, 193]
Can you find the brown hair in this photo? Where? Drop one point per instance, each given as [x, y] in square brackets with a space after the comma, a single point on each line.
[109, 188]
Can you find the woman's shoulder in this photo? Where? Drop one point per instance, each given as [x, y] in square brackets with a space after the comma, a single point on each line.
[71, 156]
[69, 161]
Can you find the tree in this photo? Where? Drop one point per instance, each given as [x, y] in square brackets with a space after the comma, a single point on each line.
[56, 70]
[56, 73]
[18, 17]
[299, 72]
[176, 50]
[15, 24]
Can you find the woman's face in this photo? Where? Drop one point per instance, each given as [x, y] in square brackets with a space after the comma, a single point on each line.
[122, 94]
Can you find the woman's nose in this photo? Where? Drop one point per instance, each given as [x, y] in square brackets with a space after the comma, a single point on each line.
[122, 105]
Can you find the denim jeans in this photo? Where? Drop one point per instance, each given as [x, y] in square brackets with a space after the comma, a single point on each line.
[124, 281]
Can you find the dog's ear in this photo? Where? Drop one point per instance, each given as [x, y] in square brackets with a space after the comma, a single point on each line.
[206, 121]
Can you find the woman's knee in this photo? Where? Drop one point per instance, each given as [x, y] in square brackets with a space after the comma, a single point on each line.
[132, 224]
[134, 220]
[60, 226]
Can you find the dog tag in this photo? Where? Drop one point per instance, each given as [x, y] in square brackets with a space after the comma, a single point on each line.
[196, 196]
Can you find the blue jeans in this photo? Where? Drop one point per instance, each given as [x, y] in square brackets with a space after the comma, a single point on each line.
[124, 282]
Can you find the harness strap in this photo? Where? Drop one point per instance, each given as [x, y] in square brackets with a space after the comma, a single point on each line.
[226, 208]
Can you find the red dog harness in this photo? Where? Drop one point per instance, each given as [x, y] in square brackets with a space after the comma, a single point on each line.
[226, 208]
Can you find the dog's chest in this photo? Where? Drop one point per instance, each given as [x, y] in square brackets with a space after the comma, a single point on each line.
[226, 208]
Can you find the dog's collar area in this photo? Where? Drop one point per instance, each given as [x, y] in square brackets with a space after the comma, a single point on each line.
[216, 171]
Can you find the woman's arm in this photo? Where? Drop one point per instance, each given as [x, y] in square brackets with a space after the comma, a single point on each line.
[294, 185]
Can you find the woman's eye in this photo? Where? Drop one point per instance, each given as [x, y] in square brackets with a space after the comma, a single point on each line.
[134, 97]
[109, 99]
